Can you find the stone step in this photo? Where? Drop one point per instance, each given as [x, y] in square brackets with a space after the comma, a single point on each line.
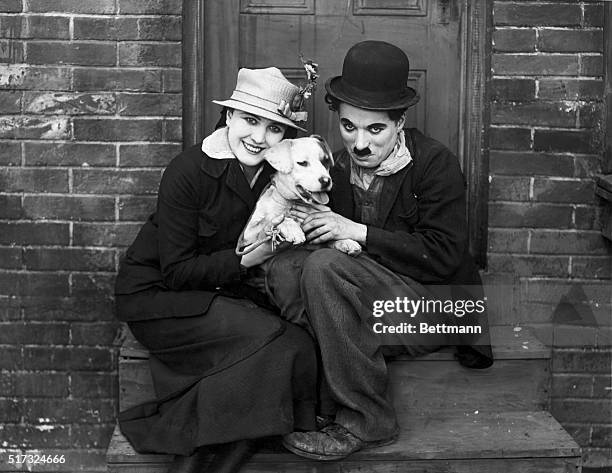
[509, 442]
[519, 379]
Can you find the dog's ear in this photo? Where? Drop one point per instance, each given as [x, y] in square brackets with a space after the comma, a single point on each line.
[279, 156]
[326, 149]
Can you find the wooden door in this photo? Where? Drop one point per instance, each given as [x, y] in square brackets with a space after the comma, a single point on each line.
[262, 33]
[446, 41]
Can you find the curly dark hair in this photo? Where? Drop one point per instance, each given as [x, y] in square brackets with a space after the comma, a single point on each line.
[334, 106]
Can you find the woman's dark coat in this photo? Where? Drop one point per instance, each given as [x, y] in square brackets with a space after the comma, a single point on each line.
[203, 205]
[223, 368]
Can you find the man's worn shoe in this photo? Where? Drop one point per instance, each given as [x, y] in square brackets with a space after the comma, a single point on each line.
[322, 421]
[330, 443]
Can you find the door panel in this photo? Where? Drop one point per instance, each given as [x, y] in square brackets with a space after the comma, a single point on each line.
[262, 33]
[275, 7]
[390, 7]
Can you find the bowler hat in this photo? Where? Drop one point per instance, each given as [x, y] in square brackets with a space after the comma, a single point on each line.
[261, 92]
[374, 77]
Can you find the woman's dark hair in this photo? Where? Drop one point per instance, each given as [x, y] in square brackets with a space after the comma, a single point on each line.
[334, 106]
[290, 132]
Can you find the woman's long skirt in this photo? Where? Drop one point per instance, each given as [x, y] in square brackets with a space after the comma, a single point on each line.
[236, 372]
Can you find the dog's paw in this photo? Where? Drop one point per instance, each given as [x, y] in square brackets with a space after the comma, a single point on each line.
[350, 247]
[291, 231]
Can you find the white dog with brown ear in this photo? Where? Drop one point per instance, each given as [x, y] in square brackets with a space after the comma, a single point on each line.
[302, 175]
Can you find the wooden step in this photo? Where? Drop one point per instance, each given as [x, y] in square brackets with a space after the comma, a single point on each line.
[509, 343]
[453, 419]
[519, 379]
[509, 442]
[426, 386]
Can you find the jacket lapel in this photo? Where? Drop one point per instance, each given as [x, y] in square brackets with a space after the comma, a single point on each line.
[238, 184]
[392, 184]
[234, 179]
[391, 187]
[264, 179]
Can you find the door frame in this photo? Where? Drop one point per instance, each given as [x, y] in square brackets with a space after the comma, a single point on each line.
[473, 112]
[607, 155]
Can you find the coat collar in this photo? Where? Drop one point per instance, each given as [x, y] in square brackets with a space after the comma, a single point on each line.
[234, 177]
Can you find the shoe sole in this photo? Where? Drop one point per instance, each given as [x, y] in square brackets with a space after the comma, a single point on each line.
[316, 456]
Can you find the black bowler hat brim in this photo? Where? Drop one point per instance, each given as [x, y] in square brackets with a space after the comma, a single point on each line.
[370, 100]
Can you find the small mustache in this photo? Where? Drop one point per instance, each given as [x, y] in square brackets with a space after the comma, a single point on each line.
[362, 152]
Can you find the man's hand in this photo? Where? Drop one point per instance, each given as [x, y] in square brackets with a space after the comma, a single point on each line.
[300, 211]
[323, 225]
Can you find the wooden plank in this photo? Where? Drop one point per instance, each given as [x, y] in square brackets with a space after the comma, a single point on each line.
[607, 159]
[519, 465]
[473, 152]
[135, 383]
[295, 7]
[386, 7]
[509, 343]
[221, 52]
[120, 449]
[503, 298]
[504, 435]
[421, 388]
[418, 387]
[137, 468]
[431, 466]
[193, 72]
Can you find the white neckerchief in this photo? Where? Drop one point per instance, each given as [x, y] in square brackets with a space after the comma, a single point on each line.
[216, 146]
[398, 159]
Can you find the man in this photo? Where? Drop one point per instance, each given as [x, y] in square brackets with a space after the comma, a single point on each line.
[401, 195]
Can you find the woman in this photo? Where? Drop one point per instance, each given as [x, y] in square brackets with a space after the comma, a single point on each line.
[224, 368]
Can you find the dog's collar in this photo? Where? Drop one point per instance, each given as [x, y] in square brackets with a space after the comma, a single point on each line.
[216, 145]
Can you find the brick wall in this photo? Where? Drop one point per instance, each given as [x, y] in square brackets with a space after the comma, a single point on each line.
[546, 134]
[90, 110]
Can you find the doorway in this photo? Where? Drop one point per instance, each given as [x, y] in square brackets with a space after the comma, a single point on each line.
[445, 41]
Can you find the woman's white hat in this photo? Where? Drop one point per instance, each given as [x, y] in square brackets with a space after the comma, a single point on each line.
[263, 92]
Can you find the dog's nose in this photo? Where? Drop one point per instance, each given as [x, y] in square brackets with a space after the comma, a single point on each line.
[325, 182]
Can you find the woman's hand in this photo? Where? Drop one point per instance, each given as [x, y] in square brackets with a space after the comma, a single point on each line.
[260, 254]
[323, 225]
[264, 251]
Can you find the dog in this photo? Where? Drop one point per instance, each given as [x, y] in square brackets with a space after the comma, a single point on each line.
[302, 166]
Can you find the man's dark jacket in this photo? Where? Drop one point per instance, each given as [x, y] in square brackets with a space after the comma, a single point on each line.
[422, 225]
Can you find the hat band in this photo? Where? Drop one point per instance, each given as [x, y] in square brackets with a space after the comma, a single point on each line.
[381, 97]
[246, 97]
[259, 106]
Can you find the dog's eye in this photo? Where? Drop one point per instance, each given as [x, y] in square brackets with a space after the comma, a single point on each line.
[303, 163]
